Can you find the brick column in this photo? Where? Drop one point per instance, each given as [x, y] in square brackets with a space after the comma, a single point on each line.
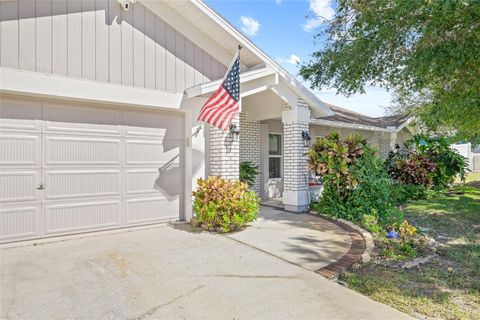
[250, 145]
[224, 153]
[295, 189]
[387, 143]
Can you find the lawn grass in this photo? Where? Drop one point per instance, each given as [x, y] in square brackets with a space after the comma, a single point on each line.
[473, 177]
[448, 287]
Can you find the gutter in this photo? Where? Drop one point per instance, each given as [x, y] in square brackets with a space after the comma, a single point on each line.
[352, 126]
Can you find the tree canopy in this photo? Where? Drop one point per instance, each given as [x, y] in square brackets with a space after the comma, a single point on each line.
[426, 51]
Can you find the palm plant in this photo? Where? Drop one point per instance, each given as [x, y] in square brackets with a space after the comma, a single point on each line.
[248, 172]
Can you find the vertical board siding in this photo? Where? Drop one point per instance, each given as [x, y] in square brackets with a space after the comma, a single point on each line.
[26, 34]
[150, 63]
[207, 67]
[74, 38]
[98, 40]
[114, 23]
[179, 62]
[9, 34]
[43, 36]
[215, 70]
[127, 47]
[138, 46]
[198, 56]
[170, 58]
[88, 39]
[189, 64]
[101, 40]
[59, 37]
[160, 54]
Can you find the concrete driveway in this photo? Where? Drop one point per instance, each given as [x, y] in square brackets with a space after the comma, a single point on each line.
[167, 273]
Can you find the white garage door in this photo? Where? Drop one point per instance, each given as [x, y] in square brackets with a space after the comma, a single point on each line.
[68, 168]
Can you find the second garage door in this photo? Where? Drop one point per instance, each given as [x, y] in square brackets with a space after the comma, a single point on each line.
[69, 168]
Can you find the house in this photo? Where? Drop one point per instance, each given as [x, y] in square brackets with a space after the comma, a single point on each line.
[98, 109]
[382, 132]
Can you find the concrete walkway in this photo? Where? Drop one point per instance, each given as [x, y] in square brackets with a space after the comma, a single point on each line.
[310, 242]
[167, 273]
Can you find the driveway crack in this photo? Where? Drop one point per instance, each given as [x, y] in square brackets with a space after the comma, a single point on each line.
[156, 308]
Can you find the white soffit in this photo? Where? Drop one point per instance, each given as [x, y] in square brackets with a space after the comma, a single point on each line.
[194, 11]
[221, 32]
[195, 25]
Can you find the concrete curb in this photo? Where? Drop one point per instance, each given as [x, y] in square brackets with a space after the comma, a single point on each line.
[367, 237]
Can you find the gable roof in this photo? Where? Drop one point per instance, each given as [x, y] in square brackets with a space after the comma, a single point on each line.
[343, 115]
[228, 37]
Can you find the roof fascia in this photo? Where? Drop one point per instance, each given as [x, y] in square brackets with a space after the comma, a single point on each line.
[303, 92]
[338, 124]
[403, 125]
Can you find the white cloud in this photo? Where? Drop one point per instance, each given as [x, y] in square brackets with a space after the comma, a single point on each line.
[250, 26]
[278, 1]
[293, 59]
[322, 10]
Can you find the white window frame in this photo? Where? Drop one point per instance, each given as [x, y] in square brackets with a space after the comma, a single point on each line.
[276, 156]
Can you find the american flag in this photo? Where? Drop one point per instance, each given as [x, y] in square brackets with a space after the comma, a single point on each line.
[221, 107]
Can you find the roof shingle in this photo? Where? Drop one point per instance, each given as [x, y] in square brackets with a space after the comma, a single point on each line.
[351, 117]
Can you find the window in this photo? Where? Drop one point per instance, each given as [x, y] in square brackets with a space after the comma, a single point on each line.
[274, 155]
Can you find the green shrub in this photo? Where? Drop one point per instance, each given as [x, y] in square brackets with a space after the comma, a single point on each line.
[248, 172]
[373, 192]
[449, 163]
[331, 158]
[428, 161]
[404, 192]
[370, 222]
[354, 178]
[416, 169]
[224, 205]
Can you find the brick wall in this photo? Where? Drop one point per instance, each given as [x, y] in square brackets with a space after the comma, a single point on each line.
[250, 145]
[295, 160]
[387, 143]
[224, 153]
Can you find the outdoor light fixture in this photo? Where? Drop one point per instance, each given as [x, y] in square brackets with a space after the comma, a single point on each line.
[306, 139]
[234, 131]
[126, 4]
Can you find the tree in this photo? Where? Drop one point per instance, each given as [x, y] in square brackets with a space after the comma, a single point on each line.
[426, 51]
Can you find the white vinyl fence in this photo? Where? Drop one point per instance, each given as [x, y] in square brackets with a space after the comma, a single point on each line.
[465, 149]
[475, 162]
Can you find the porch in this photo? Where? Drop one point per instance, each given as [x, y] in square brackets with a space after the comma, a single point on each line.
[275, 116]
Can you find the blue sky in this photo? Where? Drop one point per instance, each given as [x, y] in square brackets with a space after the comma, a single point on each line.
[284, 29]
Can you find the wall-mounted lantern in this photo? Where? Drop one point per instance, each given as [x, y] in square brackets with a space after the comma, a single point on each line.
[306, 139]
[234, 131]
[126, 4]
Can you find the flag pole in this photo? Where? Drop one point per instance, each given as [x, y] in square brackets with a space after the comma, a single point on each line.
[231, 62]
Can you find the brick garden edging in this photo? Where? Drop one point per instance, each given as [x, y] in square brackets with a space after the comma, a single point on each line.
[360, 249]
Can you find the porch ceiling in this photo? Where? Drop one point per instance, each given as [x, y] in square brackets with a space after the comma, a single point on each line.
[263, 106]
[263, 94]
[252, 82]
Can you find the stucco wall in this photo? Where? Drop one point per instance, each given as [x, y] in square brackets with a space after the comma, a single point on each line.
[321, 131]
